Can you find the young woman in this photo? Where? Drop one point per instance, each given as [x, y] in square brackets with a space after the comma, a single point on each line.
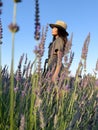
[56, 49]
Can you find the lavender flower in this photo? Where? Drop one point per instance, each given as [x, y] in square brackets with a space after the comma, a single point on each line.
[16, 89]
[26, 59]
[23, 93]
[39, 50]
[68, 45]
[85, 50]
[1, 4]
[71, 59]
[24, 68]
[21, 59]
[37, 23]
[38, 102]
[42, 122]
[78, 71]
[85, 82]
[85, 47]
[96, 65]
[18, 74]
[0, 11]
[27, 69]
[66, 87]
[1, 30]
[36, 50]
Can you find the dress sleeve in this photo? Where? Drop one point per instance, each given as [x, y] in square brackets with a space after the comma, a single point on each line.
[59, 44]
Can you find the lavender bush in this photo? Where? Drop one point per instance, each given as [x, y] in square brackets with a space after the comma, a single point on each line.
[30, 102]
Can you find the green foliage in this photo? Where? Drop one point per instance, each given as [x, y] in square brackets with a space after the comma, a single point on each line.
[42, 105]
[29, 101]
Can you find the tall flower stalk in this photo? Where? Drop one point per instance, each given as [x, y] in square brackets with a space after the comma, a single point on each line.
[0, 35]
[84, 53]
[13, 28]
[39, 49]
[1, 108]
[37, 22]
[85, 50]
[0, 43]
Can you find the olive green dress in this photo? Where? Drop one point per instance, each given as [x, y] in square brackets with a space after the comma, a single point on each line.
[57, 45]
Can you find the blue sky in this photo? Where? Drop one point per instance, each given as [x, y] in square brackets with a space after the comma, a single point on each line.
[81, 17]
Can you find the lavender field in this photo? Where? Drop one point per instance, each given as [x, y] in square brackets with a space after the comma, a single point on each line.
[30, 102]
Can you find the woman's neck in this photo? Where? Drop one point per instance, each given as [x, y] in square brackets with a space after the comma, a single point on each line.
[56, 36]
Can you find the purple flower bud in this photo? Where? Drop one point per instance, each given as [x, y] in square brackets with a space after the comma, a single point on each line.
[15, 89]
[1, 4]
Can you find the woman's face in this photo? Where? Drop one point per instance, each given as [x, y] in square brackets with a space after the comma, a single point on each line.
[54, 31]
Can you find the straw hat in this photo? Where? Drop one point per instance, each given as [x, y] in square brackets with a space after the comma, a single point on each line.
[60, 24]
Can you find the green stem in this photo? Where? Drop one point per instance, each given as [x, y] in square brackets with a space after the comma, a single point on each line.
[32, 109]
[70, 108]
[12, 86]
[0, 56]
[12, 75]
[14, 13]
[0, 89]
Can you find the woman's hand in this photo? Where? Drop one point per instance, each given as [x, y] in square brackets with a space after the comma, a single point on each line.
[54, 78]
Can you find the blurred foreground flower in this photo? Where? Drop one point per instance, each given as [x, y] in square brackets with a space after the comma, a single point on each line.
[16, 1]
[37, 23]
[13, 28]
[96, 65]
[1, 30]
[1, 4]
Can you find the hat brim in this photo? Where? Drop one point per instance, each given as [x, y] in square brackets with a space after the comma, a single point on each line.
[58, 26]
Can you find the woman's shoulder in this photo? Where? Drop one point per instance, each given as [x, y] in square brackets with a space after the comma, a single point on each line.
[60, 40]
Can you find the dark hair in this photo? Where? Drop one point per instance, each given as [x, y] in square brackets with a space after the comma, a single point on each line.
[63, 35]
